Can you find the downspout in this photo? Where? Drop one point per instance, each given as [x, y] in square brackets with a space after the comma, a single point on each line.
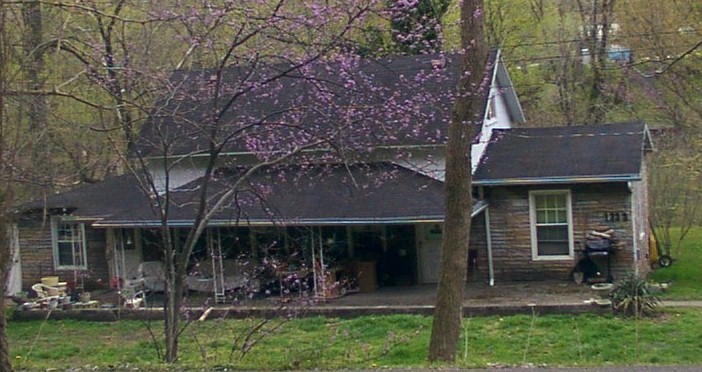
[488, 238]
[634, 233]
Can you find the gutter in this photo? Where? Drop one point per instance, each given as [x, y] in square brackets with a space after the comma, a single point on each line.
[272, 222]
[477, 208]
[558, 180]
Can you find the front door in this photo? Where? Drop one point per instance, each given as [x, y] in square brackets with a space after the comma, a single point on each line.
[429, 252]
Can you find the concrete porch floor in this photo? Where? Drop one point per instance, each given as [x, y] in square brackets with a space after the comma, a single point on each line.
[480, 298]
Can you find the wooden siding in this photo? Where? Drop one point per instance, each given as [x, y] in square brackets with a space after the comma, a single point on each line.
[592, 208]
[37, 253]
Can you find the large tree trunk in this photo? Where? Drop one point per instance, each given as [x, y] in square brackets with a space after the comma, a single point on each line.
[36, 103]
[5, 260]
[454, 245]
[5, 198]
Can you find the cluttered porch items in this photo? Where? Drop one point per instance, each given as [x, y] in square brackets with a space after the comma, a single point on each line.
[51, 293]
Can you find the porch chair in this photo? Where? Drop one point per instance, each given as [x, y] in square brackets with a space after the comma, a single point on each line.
[152, 275]
[45, 292]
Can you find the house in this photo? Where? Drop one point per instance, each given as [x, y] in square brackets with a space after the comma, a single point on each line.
[538, 190]
[548, 187]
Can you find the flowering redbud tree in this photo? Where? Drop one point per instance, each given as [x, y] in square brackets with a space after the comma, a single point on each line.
[277, 82]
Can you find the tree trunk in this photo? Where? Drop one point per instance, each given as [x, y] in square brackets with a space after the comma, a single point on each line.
[5, 199]
[454, 245]
[5, 260]
[36, 104]
[174, 296]
[172, 320]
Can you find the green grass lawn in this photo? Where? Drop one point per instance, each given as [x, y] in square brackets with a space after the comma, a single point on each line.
[686, 272]
[367, 342]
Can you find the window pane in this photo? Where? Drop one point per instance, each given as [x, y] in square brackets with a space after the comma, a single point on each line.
[559, 201]
[65, 254]
[552, 240]
[559, 217]
[540, 201]
[78, 254]
[540, 217]
[69, 244]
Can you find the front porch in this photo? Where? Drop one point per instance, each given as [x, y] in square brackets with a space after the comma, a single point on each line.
[281, 259]
[480, 299]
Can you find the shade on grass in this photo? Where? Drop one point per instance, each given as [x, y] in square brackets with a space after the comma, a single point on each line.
[366, 342]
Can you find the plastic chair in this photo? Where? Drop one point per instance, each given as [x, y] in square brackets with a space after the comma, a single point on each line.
[47, 292]
[152, 275]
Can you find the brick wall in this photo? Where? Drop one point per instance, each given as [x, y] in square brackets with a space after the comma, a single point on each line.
[37, 253]
[592, 207]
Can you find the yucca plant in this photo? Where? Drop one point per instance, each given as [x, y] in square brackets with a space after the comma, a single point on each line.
[634, 297]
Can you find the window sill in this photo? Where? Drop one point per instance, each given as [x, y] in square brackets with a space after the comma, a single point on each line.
[552, 258]
[65, 268]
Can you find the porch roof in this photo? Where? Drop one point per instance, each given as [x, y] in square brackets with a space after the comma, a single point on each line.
[558, 155]
[376, 193]
[93, 201]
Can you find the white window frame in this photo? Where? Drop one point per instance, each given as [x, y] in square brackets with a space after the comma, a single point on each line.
[532, 221]
[55, 243]
[491, 114]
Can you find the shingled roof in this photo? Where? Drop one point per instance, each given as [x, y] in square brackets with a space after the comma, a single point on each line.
[576, 154]
[96, 201]
[181, 121]
[318, 194]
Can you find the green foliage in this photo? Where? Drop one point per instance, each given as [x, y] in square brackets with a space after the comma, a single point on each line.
[685, 273]
[634, 297]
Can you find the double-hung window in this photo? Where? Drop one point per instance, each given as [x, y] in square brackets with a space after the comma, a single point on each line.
[551, 224]
[68, 240]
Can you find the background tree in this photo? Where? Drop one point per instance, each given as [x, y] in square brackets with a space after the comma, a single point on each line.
[416, 25]
[665, 80]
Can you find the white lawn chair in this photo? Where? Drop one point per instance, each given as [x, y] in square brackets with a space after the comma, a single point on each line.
[152, 275]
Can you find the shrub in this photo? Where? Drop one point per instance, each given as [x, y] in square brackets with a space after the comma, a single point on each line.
[634, 297]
